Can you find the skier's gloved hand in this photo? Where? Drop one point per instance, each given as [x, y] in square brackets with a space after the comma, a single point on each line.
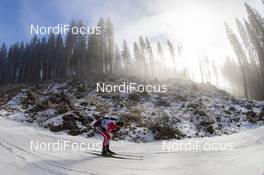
[117, 128]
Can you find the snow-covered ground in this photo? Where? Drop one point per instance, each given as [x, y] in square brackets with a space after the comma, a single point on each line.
[246, 157]
[186, 110]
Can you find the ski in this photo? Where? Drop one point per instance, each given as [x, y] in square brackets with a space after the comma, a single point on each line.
[129, 155]
[116, 156]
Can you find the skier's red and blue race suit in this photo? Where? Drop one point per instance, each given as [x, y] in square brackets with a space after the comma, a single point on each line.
[104, 127]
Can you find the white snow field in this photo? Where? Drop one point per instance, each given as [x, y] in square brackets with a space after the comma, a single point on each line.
[17, 158]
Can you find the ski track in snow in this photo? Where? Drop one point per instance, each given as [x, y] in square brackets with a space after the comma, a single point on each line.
[246, 158]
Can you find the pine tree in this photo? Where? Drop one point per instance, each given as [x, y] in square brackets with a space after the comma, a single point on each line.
[79, 53]
[109, 50]
[31, 60]
[232, 73]
[126, 57]
[240, 56]
[20, 63]
[117, 62]
[3, 54]
[60, 59]
[172, 53]
[69, 49]
[142, 47]
[138, 62]
[26, 63]
[161, 56]
[256, 32]
[253, 69]
[92, 55]
[42, 58]
[49, 61]
[206, 67]
[150, 56]
[100, 48]
[215, 71]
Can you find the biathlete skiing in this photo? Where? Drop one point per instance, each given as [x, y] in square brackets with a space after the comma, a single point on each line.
[104, 127]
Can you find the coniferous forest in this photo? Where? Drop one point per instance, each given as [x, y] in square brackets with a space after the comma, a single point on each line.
[78, 56]
[245, 72]
[57, 57]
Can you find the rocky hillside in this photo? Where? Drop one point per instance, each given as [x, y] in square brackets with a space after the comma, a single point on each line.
[187, 110]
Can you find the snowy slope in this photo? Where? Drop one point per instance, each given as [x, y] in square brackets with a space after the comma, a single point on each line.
[187, 110]
[17, 158]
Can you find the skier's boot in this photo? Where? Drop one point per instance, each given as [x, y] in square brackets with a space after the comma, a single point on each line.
[109, 151]
[105, 152]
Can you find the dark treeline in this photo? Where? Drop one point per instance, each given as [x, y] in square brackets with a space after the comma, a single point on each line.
[246, 74]
[78, 56]
[56, 58]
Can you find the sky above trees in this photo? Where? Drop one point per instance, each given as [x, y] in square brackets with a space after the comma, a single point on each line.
[150, 17]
